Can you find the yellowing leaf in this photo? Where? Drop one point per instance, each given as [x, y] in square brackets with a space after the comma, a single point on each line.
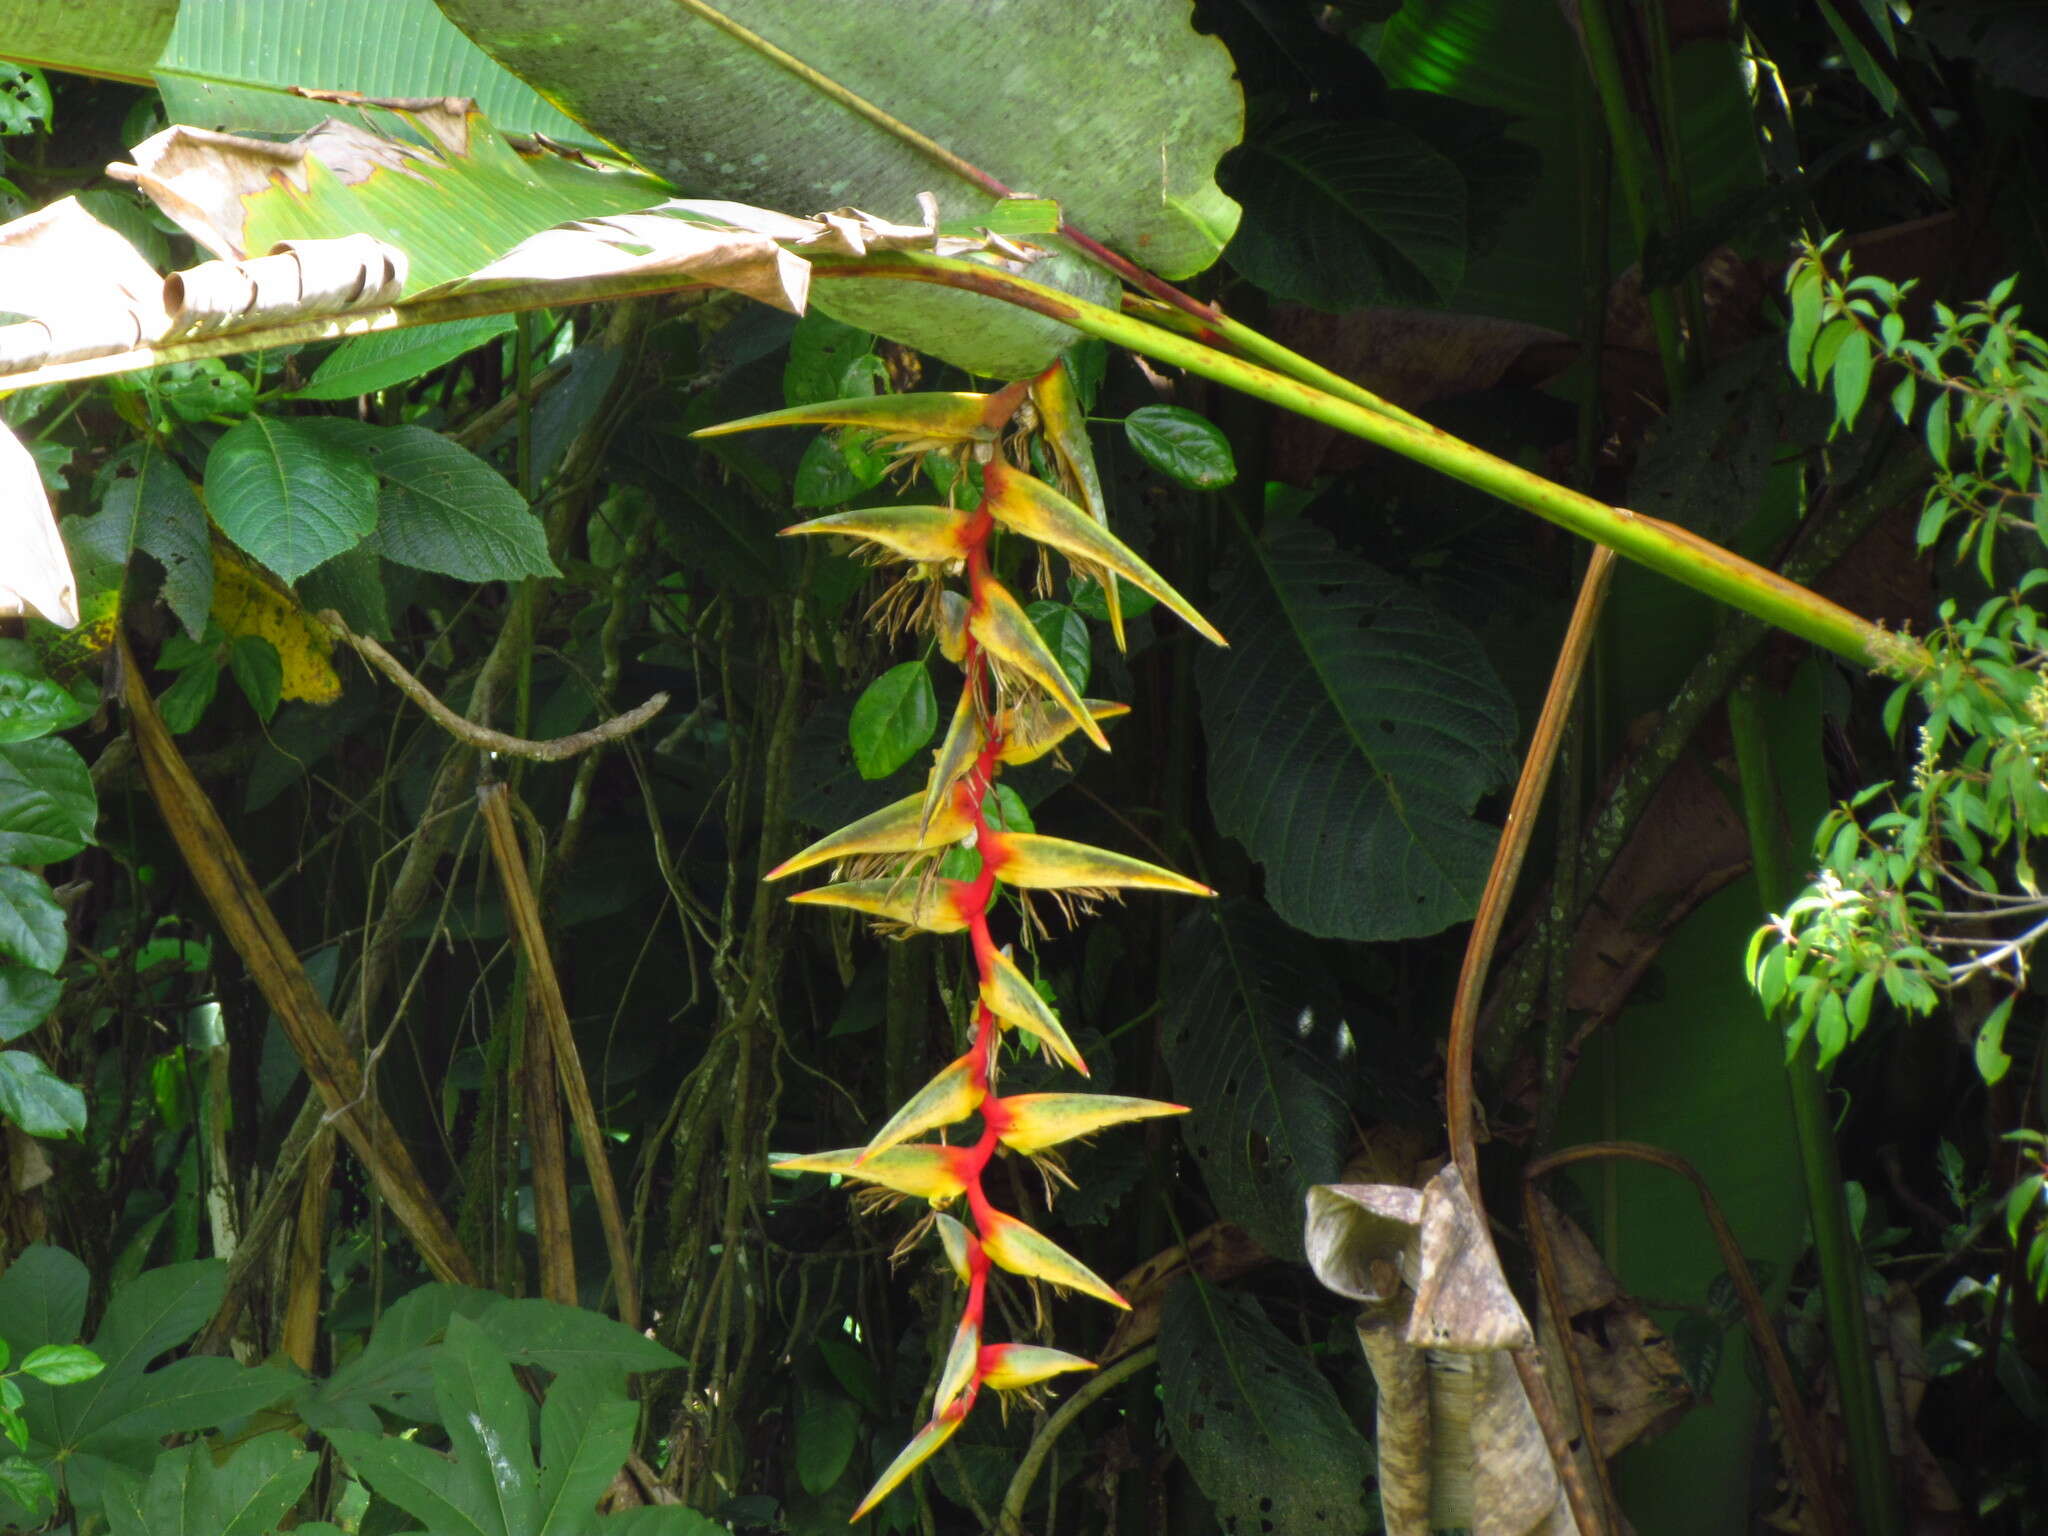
[246, 603]
[962, 1365]
[1032, 729]
[1031, 1122]
[1007, 633]
[924, 534]
[1025, 1250]
[1016, 1003]
[1038, 863]
[1006, 1367]
[909, 1459]
[946, 1100]
[899, 828]
[895, 901]
[923, 1172]
[915, 422]
[1027, 505]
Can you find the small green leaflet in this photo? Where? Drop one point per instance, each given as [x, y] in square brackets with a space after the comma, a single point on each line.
[1182, 446]
[1065, 634]
[893, 719]
[37, 1099]
[288, 495]
[35, 706]
[362, 365]
[26, 998]
[259, 672]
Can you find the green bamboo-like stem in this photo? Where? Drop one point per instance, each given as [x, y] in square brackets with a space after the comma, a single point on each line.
[1641, 187]
[1841, 1269]
[1663, 547]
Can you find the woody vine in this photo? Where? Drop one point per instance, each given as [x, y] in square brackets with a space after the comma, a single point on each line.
[936, 862]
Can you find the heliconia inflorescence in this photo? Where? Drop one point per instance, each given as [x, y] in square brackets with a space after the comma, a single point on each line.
[1016, 704]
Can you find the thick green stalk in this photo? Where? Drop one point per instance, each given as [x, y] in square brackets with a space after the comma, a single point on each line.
[1841, 1269]
[1663, 547]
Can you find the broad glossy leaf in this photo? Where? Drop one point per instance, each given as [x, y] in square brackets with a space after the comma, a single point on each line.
[35, 706]
[484, 1413]
[288, 495]
[1246, 1007]
[193, 1393]
[586, 1431]
[26, 998]
[1352, 728]
[559, 1338]
[1181, 445]
[826, 1428]
[1343, 214]
[363, 365]
[190, 1494]
[893, 719]
[37, 1099]
[47, 804]
[444, 509]
[58, 1365]
[31, 922]
[395, 1368]
[120, 39]
[417, 1480]
[1256, 1424]
[1101, 100]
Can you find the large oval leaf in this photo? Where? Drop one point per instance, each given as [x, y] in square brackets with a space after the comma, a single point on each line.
[1352, 727]
[1253, 1034]
[1259, 1428]
[1339, 215]
[444, 509]
[47, 805]
[289, 495]
[1119, 110]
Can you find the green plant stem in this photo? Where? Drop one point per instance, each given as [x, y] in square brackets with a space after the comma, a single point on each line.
[1672, 551]
[1011, 1521]
[1641, 187]
[1841, 1270]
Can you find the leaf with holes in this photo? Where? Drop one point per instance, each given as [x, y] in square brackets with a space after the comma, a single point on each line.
[1247, 1006]
[1260, 1430]
[288, 495]
[1352, 728]
[145, 487]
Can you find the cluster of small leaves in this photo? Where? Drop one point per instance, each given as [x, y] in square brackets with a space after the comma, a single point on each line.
[1930, 884]
[47, 813]
[54, 1365]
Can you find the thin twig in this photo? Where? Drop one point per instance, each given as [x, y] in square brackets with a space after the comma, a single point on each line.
[1011, 1521]
[482, 737]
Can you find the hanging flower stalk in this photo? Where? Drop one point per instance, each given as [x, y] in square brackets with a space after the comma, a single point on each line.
[1016, 705]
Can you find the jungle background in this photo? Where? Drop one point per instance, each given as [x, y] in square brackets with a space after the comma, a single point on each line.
[1566, 248]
